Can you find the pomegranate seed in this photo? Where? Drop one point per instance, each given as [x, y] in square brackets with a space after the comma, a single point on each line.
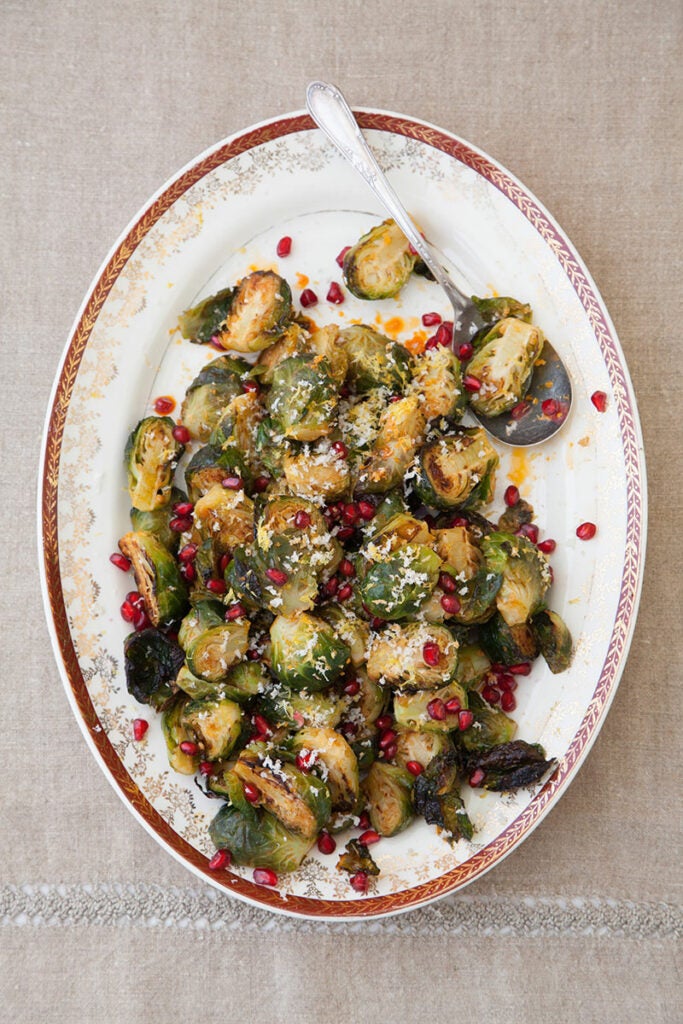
[181, 434]
[465, 352]
[340, 449]
[447, 583]
[261, 483]
[431, 653]
[265, 876]
[235, 611]
[345, 533]
[342, 254]
[335, 294]
[528, 530]
[550, 407]
[189, 572]
[164, 405]
[471, 383]
[450, 604]
[507, 701]
[250, 386]
[521, 669]
[331, 587]
[511, 496]
[599, 400]
[497, 668]
[346, 568]
[127, 611]
[390, 752]
[395, 398]
[491, 694]
[253, 655]
[432, 343]
[308, 298]
[465, 719]
[251, 793]
[284, 246]
[519, 411]
[221, 859]
[183, 508]
[349, 730]
[364, 820]
[136, 599]
[205, 768]
[216, 586]
[387, 738]
[377, 623]
[344, 593]
[436, 709]
[477, 777]
[350, 514]
[444, 333]
[359, 881]
[140, 727]
[431, 319]
[352, 688]
[366, 510]
[586, 531]
[506, 682]
[232, 483]
[384, 722]
[120, 561]
[460, 521]
[302, 520]
[326, 843]
[415, 768]
[277, 576]
[262, 725]
[369, 837]
[453, 706]
[180, 524]
[140, 621]
[224, 562]
[215, 342]
[189, 748]
[547, 546]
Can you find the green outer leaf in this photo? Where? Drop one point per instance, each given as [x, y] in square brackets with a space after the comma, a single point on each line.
[386, 592]
[316, 669]
[263, 842]
[201, 322]
[375, 361]
[491, 726]
[303, 398]
[554, 639]
[151, 662]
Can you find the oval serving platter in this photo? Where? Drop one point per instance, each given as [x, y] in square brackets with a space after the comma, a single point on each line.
[219, 218]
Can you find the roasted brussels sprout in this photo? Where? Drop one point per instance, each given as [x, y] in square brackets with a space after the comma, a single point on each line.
[213, 652]
[476, 585]
[388, 789]
[436, 798]
[306, 653]
[300, 801]
[157, 577]
[490, 728]
[259, 839]
[391, 505]
[411, 709]
[209, 466]
[238, 427]
[356, 857]
[317, 471]
[157, 522]
[401, 428]
[215, 725]
[198, 688]
[473, 664]
[457, 471]
[303, 399]
[398, 656]
[421, 747]
[353, 630]
[327, 343]
[554, 640]
[152, 662]
[510, 766]
[526, 575]
[395, 587]
[375, 361]
[340, 766]
[150, 458]
[176, 732]
[200, 323]
[395, 533]
[359, 418]
[245, 680]
[371, 703]
[224, 517]
[500, 308]
[294, 341]
[260, 311]
[209, 393]
[437, 382]
[292, 710]
[380, 262]
[508, 645]
[504, 364]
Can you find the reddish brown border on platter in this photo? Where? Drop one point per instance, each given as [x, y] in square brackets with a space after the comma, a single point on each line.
[634, 548]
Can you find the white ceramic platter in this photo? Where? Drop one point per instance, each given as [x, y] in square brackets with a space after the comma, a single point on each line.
[220, 218]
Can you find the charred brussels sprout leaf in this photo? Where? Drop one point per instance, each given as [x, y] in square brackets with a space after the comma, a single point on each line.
[152, 662]
[508, 645]
[259, 841]
[301, 802]
[215, 725]
[374, 361]
[209, 393]
[491, 726]
[457, 471]
[397, 656]
[436, 797]
[396, 586]
[211, 654]
[504, 364]
[201, 322]
[260, 311]
[554, 640]
[388, 789]
[380, 263]
[150, 458]
[473, 664]
[356, 857]
[306, 653]
[156, 522]
[302, 401]
[525, 572]
[510, 765]
[157, 577]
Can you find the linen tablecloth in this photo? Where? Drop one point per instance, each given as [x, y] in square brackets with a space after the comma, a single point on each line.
[101, 103]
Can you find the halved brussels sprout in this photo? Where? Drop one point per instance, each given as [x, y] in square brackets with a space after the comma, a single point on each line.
[317, 471]
[259, 841]
[500, 307]
[456, 546]
[421, 747]
[213, 652]
[436, 798]
[339, 763]
[388, 789]
[490, 728]
[457, 471]
[152, 662]
[260, 311]
[371, 702]
[209, 393]
[395, 587]
[526, 575]
[356, 857]
[401, 428]
[397, 656]
[176, 732]
[508, 645]
[210, 465]
[201, 322]
[224, 517]
[238, 426]
[150, 458]
[157, 522]
[303, 399]
[306, 653]
[554, 640]
[354, 631]
[301, 802]
[327, 343]
[380, 262]
[477, 586]
[410, 709]
[394, 533]
[198, 688]
[473, 664]
[157, 577]
[292, 710]
[215, 725]
[437, 382]
[375, 361]
[510, 765]
[504, 364]
[359, 418]
[245, 680]
[295, 341]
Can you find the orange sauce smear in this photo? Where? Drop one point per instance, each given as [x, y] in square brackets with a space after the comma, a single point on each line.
[520, 468]
[301, 281]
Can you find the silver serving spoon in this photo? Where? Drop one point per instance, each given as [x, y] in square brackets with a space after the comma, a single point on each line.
[527, 426]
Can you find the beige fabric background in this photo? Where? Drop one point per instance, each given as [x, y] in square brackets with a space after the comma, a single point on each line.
[101, 103]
